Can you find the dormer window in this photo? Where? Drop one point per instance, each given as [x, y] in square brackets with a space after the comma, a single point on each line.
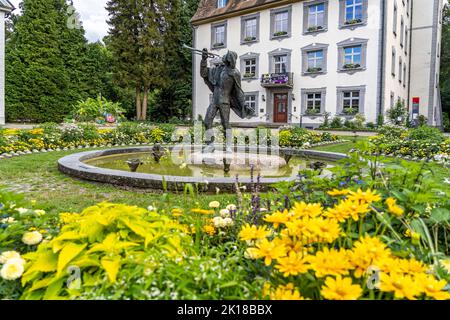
[221, 3]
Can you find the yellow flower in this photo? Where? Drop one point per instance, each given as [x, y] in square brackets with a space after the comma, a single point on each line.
[341, 289]
[330, 263]
[277, 218]
[403, 286]
[39, 213]
[214, 204]
[32, 238]
[267, 250]
[325, 230]
[411, 266]
[310, 210]
[210, 230]
[346, 209]
[287, 292]
[366, 252]
[294, 264]
[432, 287]
[252, 232]
[201, 211]
[337, 193]
[445, 264]
[394, 208]
[12, 269]
[364, 196]
[177, 212]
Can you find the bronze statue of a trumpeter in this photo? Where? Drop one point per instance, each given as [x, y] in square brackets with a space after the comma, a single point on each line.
[224, 81]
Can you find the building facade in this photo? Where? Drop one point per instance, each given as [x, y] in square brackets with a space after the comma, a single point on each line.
[302, 59]
[5, 7]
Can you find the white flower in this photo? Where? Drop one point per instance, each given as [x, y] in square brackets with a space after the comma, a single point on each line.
[8, 255]
[214, 204]
[228, 222]
[151, 208]
[231, 207]
[22, 210]
[225, 213]
[32, 238]
[8, 220]
[39, 212]
[12, 270]
[447, 180]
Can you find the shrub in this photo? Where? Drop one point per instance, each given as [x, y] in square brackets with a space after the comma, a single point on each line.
[446, 122]
[370, 125]
[426, 133]
[99, 243]
[96, 109]
[349, 124]
[398, 114]
[336, 123]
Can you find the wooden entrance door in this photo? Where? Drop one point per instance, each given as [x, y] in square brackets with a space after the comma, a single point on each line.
[280, 106]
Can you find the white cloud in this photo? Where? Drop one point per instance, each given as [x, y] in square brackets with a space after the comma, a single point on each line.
[93, 15]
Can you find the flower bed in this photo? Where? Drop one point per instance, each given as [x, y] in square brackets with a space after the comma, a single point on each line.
[71, 136]
[353, 236]
[424, 142]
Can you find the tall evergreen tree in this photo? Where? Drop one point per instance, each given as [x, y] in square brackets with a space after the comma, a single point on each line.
[44, 60]
[175, 101]
[138, 30]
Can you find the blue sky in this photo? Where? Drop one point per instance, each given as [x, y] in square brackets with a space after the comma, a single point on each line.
[93, 15]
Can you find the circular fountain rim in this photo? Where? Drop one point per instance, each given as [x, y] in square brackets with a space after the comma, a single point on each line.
[73, 165]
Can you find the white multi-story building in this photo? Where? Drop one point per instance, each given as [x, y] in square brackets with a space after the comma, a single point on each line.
[302, 59]
[5, 7]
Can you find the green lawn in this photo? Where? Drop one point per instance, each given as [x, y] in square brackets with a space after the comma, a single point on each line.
[343, 147]
[37, 177]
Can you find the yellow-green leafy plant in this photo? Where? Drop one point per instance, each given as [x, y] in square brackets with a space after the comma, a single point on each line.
[93, 246]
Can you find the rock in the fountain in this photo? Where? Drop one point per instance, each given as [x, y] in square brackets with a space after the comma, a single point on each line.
[238, 160]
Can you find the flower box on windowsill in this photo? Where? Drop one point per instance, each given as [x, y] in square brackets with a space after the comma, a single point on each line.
[249, 76]
[250, 39]
[352, 22]
[315, 28]
[280, 34]
[312, 113]
[350, 112]
[314, 70]
[218, 45]
[351, 66]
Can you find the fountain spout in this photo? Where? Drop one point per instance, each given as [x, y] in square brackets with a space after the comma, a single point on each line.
[134, 164]
[158, 152]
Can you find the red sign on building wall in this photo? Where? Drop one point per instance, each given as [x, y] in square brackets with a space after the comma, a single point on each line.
[415, 106]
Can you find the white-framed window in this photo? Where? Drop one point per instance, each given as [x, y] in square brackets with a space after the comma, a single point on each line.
[352, 56]
[395, 17]
[404, 74]
[219, 35]
[221, 3]
[351, 102]
[353, 10]
[406, 39]
[250, 28]
[281, 25]
[313, 102]
[316, 15]
[250, 67]
[400, 70]
[315, 60]
[394, 55]
[251, 100]
[402, 31]
[280, 63]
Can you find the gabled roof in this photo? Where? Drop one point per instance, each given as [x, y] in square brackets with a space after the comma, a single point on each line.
[5, 5]
[207, 10]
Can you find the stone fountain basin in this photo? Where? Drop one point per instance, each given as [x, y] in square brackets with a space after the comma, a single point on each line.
[74, 166]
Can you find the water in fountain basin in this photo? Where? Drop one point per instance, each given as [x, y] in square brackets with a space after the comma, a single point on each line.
[168, 167]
